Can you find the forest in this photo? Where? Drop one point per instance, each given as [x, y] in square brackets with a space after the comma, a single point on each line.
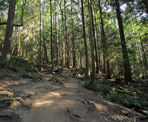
[84, 57]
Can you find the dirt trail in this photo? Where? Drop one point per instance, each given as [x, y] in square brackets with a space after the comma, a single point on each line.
[62, 98]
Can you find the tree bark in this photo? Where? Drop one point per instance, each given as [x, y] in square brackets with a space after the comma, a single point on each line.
[51, 34]
[8, 35]
[55, 34]
[40, 50]
[146, 5]
[73, 38]
[95, 45]
[62, 30]
[97, 42]
[103, 37]
[144, 56]
[126, 63]
[92, 40]
[106, 65]
[144, 60]
[85, 42]
[67, 57]
[57, 47]
[44, 45]
[15, 51]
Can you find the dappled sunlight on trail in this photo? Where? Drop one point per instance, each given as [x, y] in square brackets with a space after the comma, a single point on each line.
[62, 99]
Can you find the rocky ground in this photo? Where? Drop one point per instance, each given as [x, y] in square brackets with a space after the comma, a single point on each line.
[56, 97]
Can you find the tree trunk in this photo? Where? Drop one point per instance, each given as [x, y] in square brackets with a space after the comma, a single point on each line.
[40, 50]
[85, 42]
[146, 5]
[92, 40]
[103, 38]
[62, 30]
[95, 45]
[15, 52]
[67, 57]
[144, 61]
[51, 34]
[144, 56]
[55, 34]
[80, 59]
[126, 63]
[44, 45]
[141, 60]
[45, 52]
[97, 42]
[73, 38]
[106, 65]
[8, 35]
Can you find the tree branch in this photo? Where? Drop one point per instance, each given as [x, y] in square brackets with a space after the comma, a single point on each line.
[5, 23]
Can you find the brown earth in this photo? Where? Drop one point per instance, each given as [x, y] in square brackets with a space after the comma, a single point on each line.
[56, 98]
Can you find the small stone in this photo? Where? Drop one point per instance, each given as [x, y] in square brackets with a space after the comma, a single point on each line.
[19, 99]
[106, 119]
[125, 112]
[145, 112]
[27, 106]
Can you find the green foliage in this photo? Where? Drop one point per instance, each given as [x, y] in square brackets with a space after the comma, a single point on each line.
[3, 69]
[18, 61]
[125, 95]
[20, 64]
[87, 83]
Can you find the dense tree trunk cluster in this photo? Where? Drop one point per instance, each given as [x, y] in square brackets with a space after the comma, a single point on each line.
[101, 37]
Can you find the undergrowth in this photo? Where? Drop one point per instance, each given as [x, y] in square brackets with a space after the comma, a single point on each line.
[18, 64]
[123, 94]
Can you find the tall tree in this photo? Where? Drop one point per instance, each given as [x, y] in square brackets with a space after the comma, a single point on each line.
[67, 57]
[44, 45]
[126, 63]
[95, 43]
[8, 35]
[104, 43]
[51, 34]
[85, 42]
[62, 31]
[40, 50]
[92, 41]
[56, 35]
[73, 37]
[102, 37]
